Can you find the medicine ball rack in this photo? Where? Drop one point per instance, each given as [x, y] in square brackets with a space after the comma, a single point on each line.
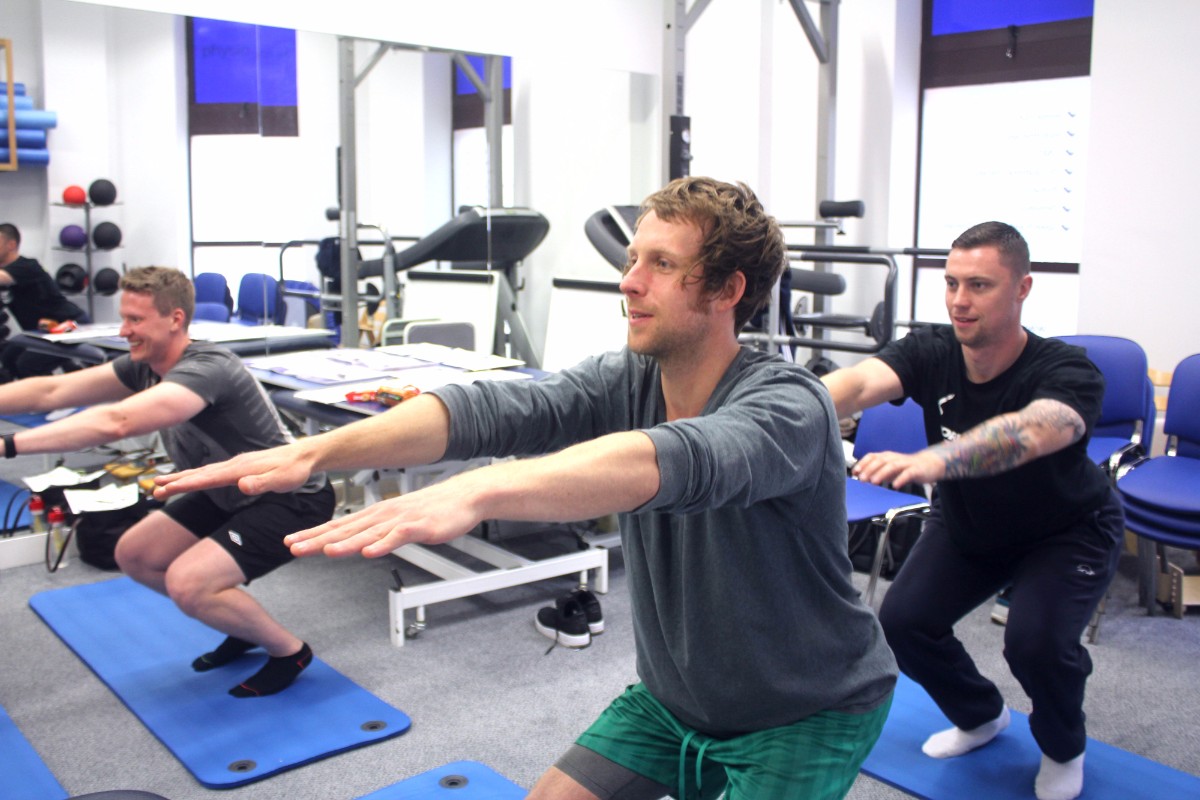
[88, 249]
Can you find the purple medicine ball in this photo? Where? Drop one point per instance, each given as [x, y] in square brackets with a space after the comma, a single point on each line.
[72, 236]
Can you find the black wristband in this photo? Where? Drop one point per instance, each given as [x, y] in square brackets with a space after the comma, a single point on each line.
[10, 445]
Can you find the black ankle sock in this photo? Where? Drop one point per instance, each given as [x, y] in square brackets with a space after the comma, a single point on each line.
[226, 651]
[276, 676]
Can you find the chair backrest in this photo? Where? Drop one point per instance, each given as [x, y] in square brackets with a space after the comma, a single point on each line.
[1123, 364]
[211, 312]
[443, 332]
[258, 299]
[900, 429]
[211, 287]
[1183, 407]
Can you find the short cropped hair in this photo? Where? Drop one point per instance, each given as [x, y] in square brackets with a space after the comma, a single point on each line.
[739, 235]
[9, 231]
[1014, 251]
[169, 287]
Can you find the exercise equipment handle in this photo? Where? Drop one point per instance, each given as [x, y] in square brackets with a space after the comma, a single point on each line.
[834, 209]
[808, 280]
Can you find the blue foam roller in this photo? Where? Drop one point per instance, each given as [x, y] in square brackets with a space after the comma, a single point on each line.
[460, 780]
[1005, 767]
[30, 117]
[23, 775]
[26, 137]
[141, 646]
[20, 102]
[28, 155]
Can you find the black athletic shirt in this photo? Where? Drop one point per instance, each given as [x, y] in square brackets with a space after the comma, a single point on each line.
[1035, 500]
[35, 295]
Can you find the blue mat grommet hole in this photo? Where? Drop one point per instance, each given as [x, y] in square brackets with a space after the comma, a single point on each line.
[453, 782]
[374, 725]
[243, 765]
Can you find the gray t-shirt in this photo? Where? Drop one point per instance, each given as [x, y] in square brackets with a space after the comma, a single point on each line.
[239, 417]
[744, 614]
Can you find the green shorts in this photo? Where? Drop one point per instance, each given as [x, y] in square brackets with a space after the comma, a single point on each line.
[813, 759]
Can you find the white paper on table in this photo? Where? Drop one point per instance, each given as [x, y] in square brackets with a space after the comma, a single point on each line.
[107, 498]
[59, 476]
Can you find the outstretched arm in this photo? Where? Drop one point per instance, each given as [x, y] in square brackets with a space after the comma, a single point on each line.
[996, 445]
[84, 387]
[866, 384]
[147, 411]
[618, 472]
[412, 433]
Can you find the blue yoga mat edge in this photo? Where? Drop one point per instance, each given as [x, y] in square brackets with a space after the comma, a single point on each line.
[225, 775]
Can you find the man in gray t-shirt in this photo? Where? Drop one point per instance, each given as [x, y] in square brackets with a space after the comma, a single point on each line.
[762, 672]
[202, 546]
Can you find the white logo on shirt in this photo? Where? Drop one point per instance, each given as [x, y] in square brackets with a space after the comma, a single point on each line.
[947, 434]
[236, 538]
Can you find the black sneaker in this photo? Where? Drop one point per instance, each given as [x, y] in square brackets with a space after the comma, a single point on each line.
[565, 622]
[591, 609]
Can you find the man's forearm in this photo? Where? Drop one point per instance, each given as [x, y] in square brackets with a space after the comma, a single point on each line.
[1010, 440]
[413, 433]
[614, 473]
[27, 396]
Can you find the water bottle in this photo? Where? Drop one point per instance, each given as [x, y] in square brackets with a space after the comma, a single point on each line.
[37, 514]
[58, 535]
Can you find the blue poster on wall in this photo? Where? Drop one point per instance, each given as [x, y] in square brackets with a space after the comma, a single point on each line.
[243, 79]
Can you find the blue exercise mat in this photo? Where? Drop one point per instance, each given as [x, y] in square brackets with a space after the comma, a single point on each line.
[1005, 767]
[460, 780]
[142, 646]
[23, 776]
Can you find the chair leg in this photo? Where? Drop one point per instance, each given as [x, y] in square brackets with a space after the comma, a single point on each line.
[1093, 626]
[877, 564]
[1147, 575]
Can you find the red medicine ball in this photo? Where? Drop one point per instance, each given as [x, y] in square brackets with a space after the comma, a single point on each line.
[74, 195]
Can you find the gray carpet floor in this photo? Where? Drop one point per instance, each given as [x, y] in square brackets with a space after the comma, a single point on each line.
[479, 683]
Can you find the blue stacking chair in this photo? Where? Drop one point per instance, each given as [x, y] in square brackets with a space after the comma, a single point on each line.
[211, 287]
[900, 429]
[1126, 424]
[212, 312]
[1162, 494]
[258, 301]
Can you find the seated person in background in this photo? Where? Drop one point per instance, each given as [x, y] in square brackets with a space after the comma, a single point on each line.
[1008, 415]
[762, 672]
[207, 407]
[33, 296]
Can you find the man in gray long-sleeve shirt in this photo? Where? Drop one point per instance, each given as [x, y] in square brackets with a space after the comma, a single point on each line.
[760, 666]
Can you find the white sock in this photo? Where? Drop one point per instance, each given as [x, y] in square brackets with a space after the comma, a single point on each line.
[956, 741]
[1057, 781]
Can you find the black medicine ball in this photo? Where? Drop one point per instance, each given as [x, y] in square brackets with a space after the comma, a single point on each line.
[102, 192]
[71, 278]
[106, 235]
[106, 281]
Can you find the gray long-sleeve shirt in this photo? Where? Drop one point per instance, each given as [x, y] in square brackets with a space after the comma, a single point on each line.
[744, 614]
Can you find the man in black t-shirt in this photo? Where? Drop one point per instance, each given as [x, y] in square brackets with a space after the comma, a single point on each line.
[33, 295]
[1017, 501]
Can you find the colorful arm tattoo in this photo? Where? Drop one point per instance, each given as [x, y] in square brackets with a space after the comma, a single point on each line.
[1010, 440]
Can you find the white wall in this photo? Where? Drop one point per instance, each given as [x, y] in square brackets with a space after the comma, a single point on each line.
[1140, 276]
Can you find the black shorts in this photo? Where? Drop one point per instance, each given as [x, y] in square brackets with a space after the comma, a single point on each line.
[254, 535]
